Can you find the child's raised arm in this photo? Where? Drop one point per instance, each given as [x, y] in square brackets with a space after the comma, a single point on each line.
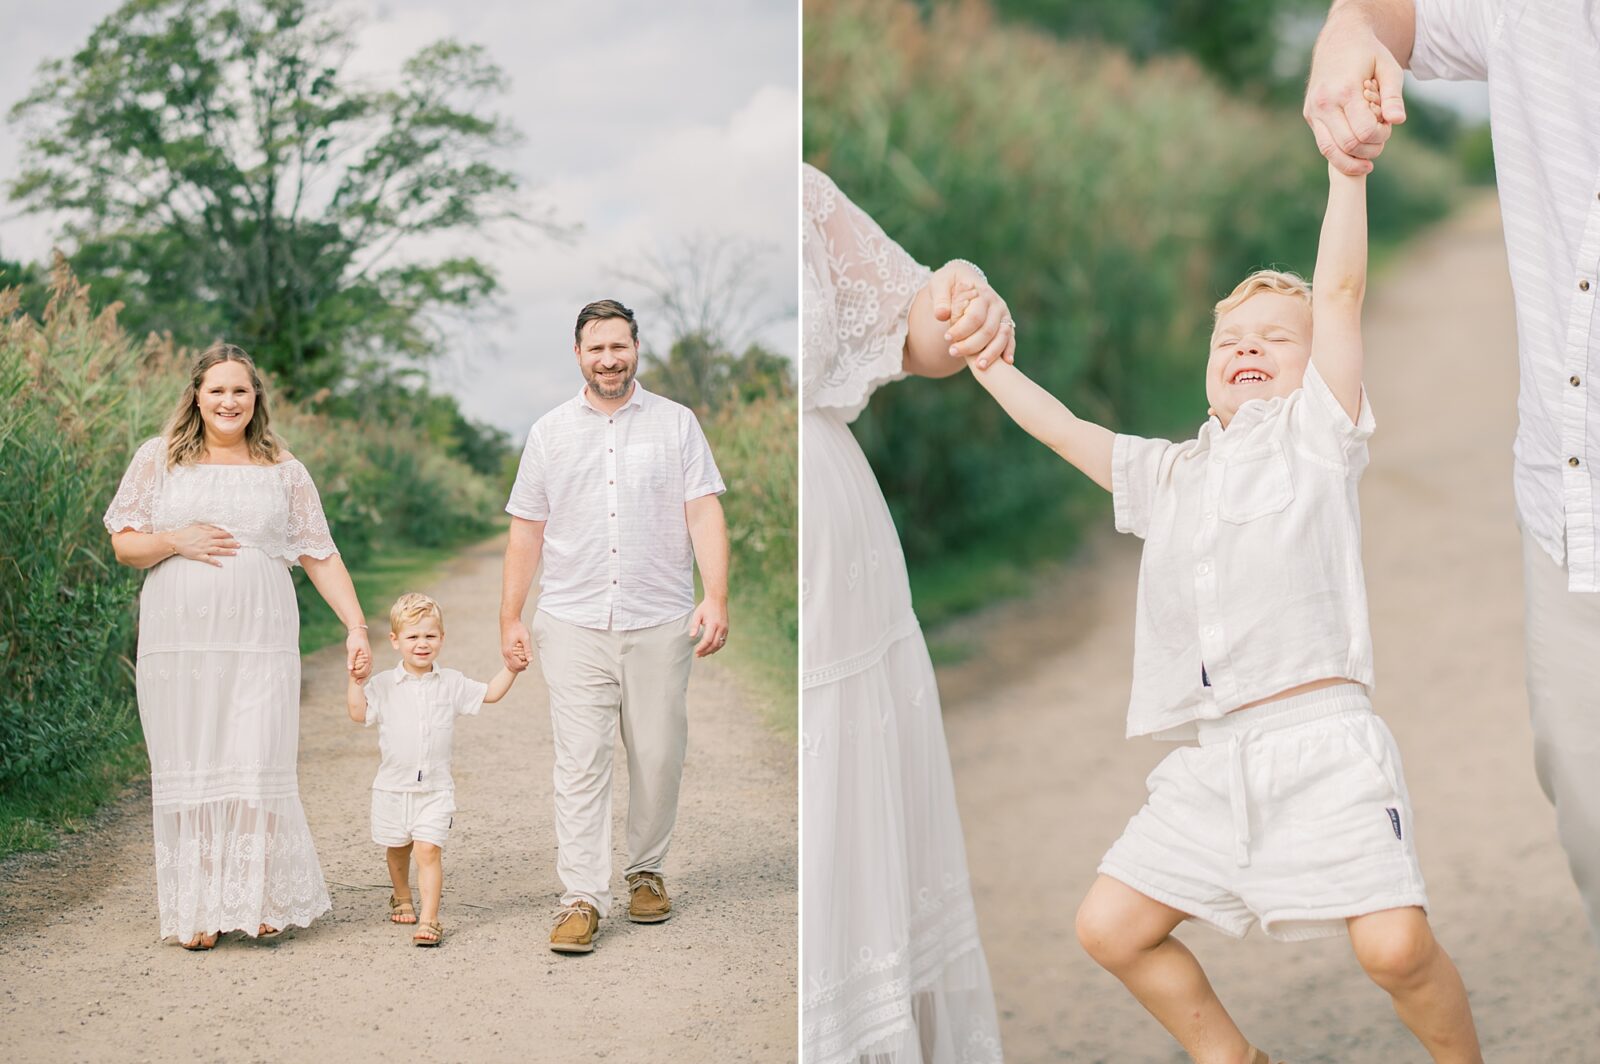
[1045, 418]
[1337, 289]
[500, 685]
[355, 699]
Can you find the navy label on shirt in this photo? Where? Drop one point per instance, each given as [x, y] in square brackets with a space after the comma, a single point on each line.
[1205, 681]
[1394, 819]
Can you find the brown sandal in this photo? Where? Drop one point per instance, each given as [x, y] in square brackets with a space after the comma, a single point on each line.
[198, 943]
[431, 928]
[399, 911]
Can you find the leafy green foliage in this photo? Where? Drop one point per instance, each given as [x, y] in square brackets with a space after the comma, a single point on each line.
[1239, 41]
[225, 178]
[1111, 202]
[756, 444]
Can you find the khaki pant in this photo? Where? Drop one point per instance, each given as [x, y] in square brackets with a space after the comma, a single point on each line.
[1563, 651]
[598, 679]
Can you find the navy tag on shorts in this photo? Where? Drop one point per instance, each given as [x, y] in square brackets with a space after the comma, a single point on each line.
[1394, 819]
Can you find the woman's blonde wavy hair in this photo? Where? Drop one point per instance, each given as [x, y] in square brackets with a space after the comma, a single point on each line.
[186, 430]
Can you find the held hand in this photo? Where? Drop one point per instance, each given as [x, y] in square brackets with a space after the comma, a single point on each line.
[358, 654]
[963, 300]
[980, 322]
[514, 645]
[711, 621]
[1350, 132]
[205, 543]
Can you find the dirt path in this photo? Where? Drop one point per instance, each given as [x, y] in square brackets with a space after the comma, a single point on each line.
[1046, 781]
[82, 977]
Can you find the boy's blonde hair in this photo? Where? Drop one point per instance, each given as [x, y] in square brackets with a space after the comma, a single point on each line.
[411, 608]
[1281, 282]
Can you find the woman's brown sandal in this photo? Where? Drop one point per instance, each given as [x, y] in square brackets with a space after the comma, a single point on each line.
[401, 912]
[201, 943]
[428, 933]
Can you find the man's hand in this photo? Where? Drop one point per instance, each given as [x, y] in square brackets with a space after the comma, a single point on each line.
[1348, 131]
[711, 621]
[514, 645]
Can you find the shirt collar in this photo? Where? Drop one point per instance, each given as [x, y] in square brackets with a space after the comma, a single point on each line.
[636, 399]
[402, 675]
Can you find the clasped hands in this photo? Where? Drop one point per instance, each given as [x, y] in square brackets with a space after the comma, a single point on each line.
[981, 326]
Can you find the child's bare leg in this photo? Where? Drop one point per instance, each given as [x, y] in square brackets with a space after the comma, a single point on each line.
[1397, 949]
[400, 876]
[430, 879]
[1130, 936]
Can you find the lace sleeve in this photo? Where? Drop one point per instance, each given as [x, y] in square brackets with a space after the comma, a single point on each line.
[134, 507]
[308, 527]
[858, 290]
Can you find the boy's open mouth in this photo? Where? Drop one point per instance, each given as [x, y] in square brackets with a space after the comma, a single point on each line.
[1250, 376]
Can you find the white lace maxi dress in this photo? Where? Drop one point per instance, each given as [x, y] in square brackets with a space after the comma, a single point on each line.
[892, 969]
[218, 681]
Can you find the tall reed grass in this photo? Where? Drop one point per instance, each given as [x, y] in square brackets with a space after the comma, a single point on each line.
[756, 447]
[1111, 203]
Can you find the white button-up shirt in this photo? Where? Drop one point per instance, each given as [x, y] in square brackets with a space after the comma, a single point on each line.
[1251, 579]
[1541, 59]
[416, 717]
[611, 490]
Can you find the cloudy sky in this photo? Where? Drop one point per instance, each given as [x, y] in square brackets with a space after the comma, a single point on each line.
[644, 123]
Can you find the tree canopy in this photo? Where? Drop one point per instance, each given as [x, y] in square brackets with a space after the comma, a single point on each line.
[222, 174]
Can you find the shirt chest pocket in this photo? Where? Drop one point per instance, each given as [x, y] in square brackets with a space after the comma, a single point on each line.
[644, 465]
[1255, 484]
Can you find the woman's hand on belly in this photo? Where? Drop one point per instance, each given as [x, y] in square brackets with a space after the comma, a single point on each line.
[205, 543]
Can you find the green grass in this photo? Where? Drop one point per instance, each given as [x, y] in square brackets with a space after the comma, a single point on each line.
[34, 818]
[378, 584]
[765, 658]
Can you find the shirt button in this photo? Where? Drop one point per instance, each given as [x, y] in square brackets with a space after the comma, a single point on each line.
[1211, 515]
[1211, 629]
[613, 550]
[610, 450]
[1203, 568]
[610, 482]
[1573, 380]
[613, 515]
[1583, 286]
[1573, 461]
[613, 581]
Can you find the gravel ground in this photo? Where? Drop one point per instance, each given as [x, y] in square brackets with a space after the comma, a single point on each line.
[83, 977]
[1046, 781]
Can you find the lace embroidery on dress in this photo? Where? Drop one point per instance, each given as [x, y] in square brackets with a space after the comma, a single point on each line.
[869, 1005]
[854, 334]
[287, 523]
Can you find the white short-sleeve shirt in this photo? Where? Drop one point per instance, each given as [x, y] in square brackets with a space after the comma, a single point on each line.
[1251, 580]
[611, 490]
[1541, 59]
[416, 718]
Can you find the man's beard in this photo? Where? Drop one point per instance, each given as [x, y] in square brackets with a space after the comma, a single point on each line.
[616, 392]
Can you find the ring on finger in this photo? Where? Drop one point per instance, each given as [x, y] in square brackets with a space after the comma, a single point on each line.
[1009, 322]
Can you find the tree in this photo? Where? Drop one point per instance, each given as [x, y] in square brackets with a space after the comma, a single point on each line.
[222, 176]
[711, 292]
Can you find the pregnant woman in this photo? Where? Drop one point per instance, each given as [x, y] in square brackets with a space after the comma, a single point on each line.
[218, 512]
[893, 972]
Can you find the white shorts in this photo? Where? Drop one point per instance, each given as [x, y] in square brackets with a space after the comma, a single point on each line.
[1293, 814]
[401, 817]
